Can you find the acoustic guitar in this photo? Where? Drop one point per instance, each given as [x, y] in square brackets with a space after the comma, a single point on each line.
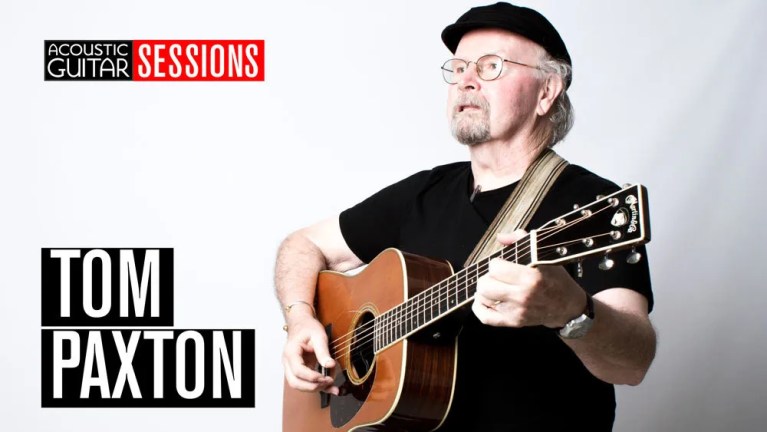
[396, 361]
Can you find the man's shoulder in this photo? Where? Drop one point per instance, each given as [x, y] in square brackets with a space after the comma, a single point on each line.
[576, 185]
[576, 177]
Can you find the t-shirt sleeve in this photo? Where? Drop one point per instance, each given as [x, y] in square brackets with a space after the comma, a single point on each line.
[635, 277]
[375, 223]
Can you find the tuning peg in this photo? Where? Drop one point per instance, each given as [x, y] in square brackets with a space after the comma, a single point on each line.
[626, 185]
[579, 269]
[599, 197]
[634, 257]
[606, 263]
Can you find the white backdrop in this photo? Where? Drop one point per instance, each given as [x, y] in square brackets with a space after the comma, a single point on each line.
[669, 94]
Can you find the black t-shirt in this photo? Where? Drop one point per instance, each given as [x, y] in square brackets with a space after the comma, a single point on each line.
[508, 379]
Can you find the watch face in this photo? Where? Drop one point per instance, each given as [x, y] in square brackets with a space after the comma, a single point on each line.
[577, 327]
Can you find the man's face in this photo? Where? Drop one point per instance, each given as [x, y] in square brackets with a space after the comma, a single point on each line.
[479, 110]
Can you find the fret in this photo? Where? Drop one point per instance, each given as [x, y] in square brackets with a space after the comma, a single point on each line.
[379, 334]
[415, 313]
[430, 302]
[533, 236]
[405, 320]
[452, 286]
[440, 293]
[375, 335]
[443, 300]
[412, 318]
[435, 301]
[392, 323]
[395, 323]
[516, 253]
[382, 329]
[477, 275]
[460, 292]
[420, 319]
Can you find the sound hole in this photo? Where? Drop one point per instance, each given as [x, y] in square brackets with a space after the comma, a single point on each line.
[362, 351]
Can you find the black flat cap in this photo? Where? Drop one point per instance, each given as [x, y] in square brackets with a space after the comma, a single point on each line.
[516, 19]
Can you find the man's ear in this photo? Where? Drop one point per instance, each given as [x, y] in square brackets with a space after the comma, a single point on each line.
[549, 93]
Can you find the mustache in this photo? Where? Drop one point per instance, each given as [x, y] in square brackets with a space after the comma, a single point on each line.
[470, 100]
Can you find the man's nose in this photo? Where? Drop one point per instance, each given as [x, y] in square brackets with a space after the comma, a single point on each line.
[469, 79]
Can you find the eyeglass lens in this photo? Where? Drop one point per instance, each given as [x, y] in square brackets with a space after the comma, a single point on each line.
[488, 68]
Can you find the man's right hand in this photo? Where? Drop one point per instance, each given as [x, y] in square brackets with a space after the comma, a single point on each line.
[318, 247]
[306, 347]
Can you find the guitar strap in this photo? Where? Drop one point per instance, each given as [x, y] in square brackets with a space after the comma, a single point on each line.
[522, 202]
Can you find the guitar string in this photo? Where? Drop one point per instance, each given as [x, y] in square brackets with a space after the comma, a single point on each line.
[365, 335]
[388, 317]
[363, 342]
[361, 335]
[356, 352]
[456, 281]
[391, 323]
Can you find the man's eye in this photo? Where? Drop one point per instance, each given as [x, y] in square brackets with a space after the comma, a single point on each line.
[460, 70]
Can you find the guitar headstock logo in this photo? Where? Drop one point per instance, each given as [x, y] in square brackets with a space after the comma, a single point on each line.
[631, 200]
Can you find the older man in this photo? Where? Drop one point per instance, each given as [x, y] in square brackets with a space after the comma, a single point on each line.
[517, 368]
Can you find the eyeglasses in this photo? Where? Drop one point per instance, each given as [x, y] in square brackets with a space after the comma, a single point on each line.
[489, 67]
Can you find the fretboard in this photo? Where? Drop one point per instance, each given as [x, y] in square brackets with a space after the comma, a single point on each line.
[440, 299]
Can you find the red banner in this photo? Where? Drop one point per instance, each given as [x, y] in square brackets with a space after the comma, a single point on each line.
[198, 60]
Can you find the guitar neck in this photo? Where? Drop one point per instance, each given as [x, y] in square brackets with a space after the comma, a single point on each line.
[441, 299]
[613, 222]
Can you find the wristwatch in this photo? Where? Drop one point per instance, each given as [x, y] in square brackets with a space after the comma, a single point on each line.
[579, 326]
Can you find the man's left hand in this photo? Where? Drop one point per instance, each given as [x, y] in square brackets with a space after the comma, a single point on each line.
[514, 295]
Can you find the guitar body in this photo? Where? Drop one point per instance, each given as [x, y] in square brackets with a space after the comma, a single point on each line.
[407, 386]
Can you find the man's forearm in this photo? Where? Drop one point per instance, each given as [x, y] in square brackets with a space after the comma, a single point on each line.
[295, 274]
[620, 346]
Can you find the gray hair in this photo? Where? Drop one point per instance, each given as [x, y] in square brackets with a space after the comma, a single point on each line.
[561, 115]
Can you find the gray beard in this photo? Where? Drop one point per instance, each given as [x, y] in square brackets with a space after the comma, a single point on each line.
[470, 130]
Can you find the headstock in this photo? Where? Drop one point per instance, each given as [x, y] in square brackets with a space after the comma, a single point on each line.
[613, 222]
